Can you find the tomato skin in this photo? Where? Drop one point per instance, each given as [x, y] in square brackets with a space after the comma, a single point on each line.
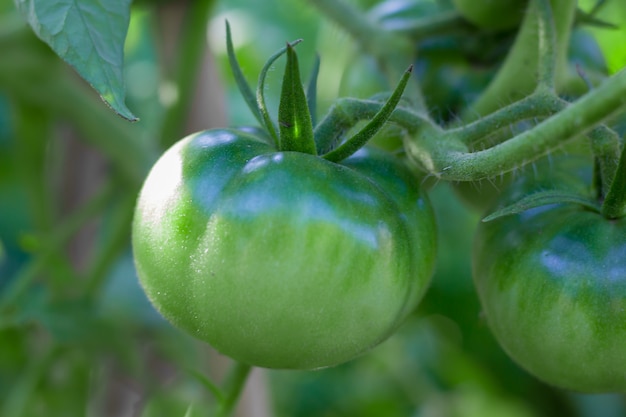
[281, 259]
[552, 283]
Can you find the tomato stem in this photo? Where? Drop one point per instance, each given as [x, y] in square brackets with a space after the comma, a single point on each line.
[357, 141]
[332, 127]
[233, 386]
[538, 104]
[547, 45]
[347, 112]
[442, 158]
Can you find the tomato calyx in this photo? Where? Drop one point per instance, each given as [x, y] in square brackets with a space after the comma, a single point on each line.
[295, 130]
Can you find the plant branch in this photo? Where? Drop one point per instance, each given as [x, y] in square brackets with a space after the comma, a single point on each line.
[538, 104]
[373, 126]
[233, 387]
[346, 112]
[192, 47]
[547, 46]
[446, 159]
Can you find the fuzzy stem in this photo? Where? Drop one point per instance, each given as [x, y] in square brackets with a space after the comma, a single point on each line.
[448, 161]
[547, 46]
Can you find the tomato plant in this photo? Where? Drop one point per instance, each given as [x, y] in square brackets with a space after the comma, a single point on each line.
[304, 242]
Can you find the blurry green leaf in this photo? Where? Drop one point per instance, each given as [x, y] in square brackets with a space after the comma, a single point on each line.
[90, 36]
[68, 321]
[611, 40]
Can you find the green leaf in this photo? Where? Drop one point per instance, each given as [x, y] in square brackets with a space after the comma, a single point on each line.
[294, 118]
[543, 198]
[611, 40]
[89, 35]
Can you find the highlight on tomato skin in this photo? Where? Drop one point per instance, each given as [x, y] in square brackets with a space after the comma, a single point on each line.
[282, 259]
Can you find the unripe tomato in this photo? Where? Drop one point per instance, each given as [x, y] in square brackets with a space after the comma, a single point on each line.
[282, 259]
[552, 283]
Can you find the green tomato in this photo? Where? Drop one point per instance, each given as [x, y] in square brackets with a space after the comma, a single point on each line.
[552, 283]
[282, 259]
[493, 15]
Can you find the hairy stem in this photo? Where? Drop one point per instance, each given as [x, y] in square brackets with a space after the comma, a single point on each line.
[447, 159]
[538, 104]
[547, 46]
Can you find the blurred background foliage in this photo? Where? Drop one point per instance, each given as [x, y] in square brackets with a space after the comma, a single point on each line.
[78, 337]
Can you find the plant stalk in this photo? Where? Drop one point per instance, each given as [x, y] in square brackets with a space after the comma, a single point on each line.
[233, 387]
